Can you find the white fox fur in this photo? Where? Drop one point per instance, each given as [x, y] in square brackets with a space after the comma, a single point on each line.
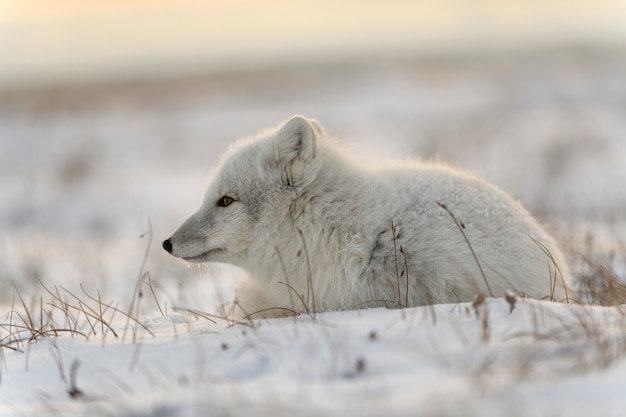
[302, 216]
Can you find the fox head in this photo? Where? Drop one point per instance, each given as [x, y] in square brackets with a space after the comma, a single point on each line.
[251, 195]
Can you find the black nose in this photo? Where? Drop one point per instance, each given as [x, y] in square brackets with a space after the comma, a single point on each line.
[167, 245]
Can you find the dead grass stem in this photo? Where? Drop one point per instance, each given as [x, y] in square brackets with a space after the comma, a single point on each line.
[461, 226]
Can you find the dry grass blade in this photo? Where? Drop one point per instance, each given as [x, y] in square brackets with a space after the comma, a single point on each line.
[68, 317]
[29, 322]
[80, 307]
[395, 254]
[73, 319]
[153, 294]
[292, 290]
[87, 311]
[309, 276]
[288, 310]
[602, 286]
[288, 284]
[117, 310]
[11, 316]
[24, 328]
[213, 317]
[557, 270]
[197, 313]
[406, 270]
[101, 312]
[136, 291]
[461, 227]
[386, 303]
[34, 334]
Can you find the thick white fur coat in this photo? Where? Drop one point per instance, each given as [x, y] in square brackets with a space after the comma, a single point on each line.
[316, 229]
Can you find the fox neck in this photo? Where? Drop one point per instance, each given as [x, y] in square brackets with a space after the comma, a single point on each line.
[319, 233]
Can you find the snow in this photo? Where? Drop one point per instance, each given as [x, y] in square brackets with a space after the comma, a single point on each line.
[84, 172]
[540, 359]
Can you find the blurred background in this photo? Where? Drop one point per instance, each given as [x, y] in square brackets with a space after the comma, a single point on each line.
[113, 114]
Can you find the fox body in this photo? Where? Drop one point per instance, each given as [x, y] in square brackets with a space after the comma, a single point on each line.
[315, 228]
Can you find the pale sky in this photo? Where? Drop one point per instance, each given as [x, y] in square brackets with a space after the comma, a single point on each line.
[64, 40]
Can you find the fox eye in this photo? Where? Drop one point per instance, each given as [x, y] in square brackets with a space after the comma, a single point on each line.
[225, 201]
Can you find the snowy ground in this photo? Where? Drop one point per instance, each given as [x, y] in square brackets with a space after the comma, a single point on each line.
[539, 360]
[84, 171]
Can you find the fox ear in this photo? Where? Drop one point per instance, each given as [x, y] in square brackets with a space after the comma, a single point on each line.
[296, 151]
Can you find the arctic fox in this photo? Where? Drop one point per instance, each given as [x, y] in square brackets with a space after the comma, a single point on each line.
[318, 230]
